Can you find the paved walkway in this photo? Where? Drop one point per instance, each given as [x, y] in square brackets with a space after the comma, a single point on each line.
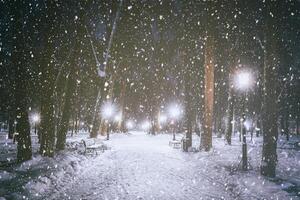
[140, 166]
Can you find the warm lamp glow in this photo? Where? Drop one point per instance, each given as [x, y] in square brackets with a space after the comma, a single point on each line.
[174, 111]
[145, 125]
[36, 118]
[108, 110]
[129, 124]
[243, 80]
[162, 119]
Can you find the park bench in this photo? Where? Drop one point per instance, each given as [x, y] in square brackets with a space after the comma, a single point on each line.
[175, 144]
[92, 148]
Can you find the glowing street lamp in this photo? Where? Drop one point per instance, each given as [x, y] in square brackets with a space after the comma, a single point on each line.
[129, 124]
[162, 119]
[36, 119]
[243, 82]
[108, 110]
[174, 111]
[146, 125]
[118, 118]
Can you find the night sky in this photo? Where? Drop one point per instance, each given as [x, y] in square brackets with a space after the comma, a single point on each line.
[155, 44]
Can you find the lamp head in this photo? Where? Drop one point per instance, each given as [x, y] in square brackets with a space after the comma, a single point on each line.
[243, 80]
[36, 118]
[174, 111]
[107, 110]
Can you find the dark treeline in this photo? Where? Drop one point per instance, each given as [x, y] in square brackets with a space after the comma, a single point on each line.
[154, 53]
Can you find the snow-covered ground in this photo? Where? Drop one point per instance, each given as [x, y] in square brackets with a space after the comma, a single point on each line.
[141, 166]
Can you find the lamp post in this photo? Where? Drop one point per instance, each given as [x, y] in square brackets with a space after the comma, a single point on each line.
[35, 119]
[174, 112]
[108, 110]
[243, 82]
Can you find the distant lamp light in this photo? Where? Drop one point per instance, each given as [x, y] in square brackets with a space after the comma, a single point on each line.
[172, 122]
[118, 117]
[247, 125]
[174, 111]
[108, 110]
[36, 118]
[162, 119]
[243, 80]
[129, 124]
[145, 125]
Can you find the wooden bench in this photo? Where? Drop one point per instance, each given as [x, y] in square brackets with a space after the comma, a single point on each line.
[175, 144]
[92, 148]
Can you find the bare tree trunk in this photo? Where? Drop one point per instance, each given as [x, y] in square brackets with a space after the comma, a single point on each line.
[153, 115]
[121, 124]
[109, 97]
[64, 122]
[11, 124]
[271, 64]
[24, 151]
[77, 123]
[297, 124]
[230, 115]
[209, 64]
[206, 138]
[101, 71]
[282, 124]
[286, 127]
[189, 111]
[47, 125]
[96, 116]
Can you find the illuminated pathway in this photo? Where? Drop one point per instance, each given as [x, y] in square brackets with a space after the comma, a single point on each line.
[140, 166]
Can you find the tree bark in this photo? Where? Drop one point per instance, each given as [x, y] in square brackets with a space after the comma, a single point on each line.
[104, 125]
[271, 64]
[11, 124]
[230, 115]
[121, 124]
[297, 125]
[24, 151]
[64, 122]
[286, 127]
[189, 111]
[209, 64]
[47, 125]
[99, 98]
[206, 137]
[96, 115]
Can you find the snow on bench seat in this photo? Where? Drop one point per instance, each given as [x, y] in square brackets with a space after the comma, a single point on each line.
[175, 144]
[91, 147]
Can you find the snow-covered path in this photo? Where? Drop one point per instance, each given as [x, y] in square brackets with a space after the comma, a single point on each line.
[140, 166]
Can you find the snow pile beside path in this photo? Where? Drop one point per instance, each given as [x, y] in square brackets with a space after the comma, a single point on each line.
[59, 171]
[52, 172]
[4, 176]
[36, 178]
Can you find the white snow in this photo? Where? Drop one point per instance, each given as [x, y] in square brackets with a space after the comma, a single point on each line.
[141, 166]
